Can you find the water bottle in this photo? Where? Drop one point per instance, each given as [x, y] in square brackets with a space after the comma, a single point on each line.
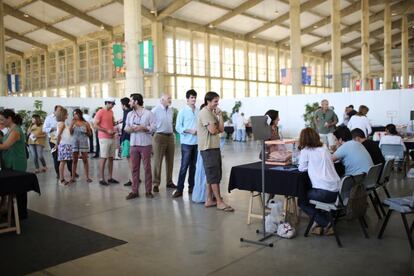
[295, 155]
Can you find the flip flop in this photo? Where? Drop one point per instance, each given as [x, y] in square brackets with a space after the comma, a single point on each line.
[210, 205]
[226, 209]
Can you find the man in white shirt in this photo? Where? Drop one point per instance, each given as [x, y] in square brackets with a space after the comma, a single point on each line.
[240, 128]
[163, 142]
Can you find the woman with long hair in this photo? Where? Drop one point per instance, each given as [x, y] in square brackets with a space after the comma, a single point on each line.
[13, 151]
[63, 144]
[316, 159]
[361, 121]
[80, 131]
[36, 141]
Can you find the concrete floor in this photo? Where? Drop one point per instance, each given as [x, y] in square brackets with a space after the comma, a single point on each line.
[176, 237]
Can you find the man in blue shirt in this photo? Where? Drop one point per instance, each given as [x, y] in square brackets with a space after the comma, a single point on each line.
[352, 154]
[186, 126]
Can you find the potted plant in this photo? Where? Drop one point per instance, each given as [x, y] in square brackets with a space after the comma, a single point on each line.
[309, 114]
[27, 114]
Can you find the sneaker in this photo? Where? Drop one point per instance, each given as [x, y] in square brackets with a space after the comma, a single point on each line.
[149, 195]
[156, 189]
[129, 183]
[171, 186]
[132, 196]
[177, 193]
[103, 182]
[113, 181]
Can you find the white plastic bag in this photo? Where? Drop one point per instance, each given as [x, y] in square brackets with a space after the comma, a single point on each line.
[285, 230]
[276, 212]
[270, 224]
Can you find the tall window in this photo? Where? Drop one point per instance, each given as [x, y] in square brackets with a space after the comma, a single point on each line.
[252, 62]
[214, 56]
[93, 61]
[83, 64]
[183, 53]
[271, 61]
[106, 62]
[71, 66]
[52, 70]
[199, 56]
[169, 51]
[261, 63]
[239, 60]
[228, 61]
[61, 68]
[35, 73]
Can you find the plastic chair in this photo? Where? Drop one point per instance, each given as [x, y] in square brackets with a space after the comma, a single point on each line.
[396, 152]
[370, 184]
[385, 176]
[335, 209]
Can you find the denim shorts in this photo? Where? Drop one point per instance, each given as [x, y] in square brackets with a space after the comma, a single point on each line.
[212, 165]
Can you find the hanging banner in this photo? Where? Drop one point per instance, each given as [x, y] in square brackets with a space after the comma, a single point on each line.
[118, 55]
[13, 83]
[146, 54]
[306, 75]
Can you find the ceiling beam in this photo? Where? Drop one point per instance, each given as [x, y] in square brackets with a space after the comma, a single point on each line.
[325, 21]
[31, 20]
[378, 58]
[15, 35]
[144, 11]
[352, 66]
[173, 7]
[238, 10]
[303, 7]
[396, 38]
[13, 51]
[77, 13]
[397, 8]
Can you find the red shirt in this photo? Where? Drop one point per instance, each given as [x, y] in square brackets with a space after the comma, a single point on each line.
[106, 121]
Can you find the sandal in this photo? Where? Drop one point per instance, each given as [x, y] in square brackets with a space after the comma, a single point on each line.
[64, 182]
[226, 208]
[72, 180]
[89, 180]
[211, 204]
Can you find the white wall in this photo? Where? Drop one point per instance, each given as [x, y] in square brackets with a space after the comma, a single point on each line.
[290, 108]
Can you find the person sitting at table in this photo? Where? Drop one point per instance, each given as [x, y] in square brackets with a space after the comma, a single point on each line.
[391, 137]
[316, 159]
[352, 154]
[361, 121]
[13, 151]
[372, 147]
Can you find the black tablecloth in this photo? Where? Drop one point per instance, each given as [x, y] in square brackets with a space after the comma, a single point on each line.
[14, 182]
[248, 177]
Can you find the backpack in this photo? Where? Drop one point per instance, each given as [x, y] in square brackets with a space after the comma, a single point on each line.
[357, 203]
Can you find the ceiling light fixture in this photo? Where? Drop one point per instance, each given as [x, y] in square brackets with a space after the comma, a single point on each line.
[315, 26]
[102, 27]
[254, 36]
[153, 11]
[26, 15]
[211, 26]
[287, 44]
[394, 14]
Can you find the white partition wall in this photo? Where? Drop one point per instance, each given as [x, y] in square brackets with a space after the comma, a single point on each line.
[398, 103]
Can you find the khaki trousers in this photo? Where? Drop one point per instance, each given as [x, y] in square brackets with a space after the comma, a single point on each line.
[163, 145]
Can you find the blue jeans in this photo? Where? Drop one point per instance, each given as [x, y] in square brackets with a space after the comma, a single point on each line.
[188, 161]
[241, 135]
[321, 217]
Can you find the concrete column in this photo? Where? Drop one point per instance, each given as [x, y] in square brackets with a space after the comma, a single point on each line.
[47, 71]
[158, 83]
[387, 46]
[134, 80]
[365, 45]
[336, 45]
[3, 79]
[404, 51]
[295, 47]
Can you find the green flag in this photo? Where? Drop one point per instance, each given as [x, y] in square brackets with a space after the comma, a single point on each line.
[146, 54]
[118, 53]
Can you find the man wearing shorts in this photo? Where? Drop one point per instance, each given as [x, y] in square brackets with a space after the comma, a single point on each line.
[125, 136]
[209, 126]
[325, 121]
[104, 123]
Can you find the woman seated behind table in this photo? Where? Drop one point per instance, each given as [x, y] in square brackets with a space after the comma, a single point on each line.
[13, 151]
[316, 159]
[391, 137]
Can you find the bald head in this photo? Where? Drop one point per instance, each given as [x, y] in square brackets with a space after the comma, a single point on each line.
[166, 99]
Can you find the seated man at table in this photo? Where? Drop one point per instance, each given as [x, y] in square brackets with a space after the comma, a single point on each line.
[372, 147]
[352, 154]
[316, 159]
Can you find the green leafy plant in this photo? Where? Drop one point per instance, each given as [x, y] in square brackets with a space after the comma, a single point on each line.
[309, 114]
[235, 109]
[225, 116]
[27, 114]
